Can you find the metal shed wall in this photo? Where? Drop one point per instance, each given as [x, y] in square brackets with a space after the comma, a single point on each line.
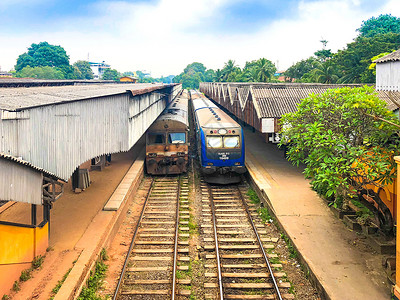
[388, 76]
[58, 138]
[19, 183]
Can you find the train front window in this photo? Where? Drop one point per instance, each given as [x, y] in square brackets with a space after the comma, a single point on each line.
[155, 138]
[177, 138]
[231, 142]
[214, 142]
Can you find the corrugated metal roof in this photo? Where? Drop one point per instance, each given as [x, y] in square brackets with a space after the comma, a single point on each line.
[274, 100]
[394, 56]
[14, 99]
[25, 163]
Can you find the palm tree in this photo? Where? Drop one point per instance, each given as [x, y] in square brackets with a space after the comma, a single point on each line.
[265, 69]
[229, 68]
[325, 73]
[218, 75]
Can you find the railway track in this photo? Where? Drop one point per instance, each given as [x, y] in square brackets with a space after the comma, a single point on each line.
[238, 252]
[159, 247]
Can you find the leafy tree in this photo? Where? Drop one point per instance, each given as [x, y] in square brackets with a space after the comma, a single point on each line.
[84, 68]
[40, 73]
[41, 55]
[380, 25]
[323, 54]
[353, 62]
[340, 138]
[300, 68]
[195, 67]
[193, 74]
[209, 75]
[111, 74]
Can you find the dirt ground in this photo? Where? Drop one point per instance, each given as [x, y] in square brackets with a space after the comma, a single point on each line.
[70, 216]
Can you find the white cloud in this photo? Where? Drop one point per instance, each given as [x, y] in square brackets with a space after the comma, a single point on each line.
[160, 37]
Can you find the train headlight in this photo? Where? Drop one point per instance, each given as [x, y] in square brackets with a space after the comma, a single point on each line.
[152, 154]
[237, 163]
[181, 153]
[210, 164]
[222, 131]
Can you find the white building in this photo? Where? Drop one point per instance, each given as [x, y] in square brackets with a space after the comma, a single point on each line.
[98, 69]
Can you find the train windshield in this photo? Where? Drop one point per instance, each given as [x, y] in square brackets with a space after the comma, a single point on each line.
[155, 138]
[214, 142]
[177, 138]
[231, 142]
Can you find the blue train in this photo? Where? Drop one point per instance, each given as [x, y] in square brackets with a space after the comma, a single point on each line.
[220, 142]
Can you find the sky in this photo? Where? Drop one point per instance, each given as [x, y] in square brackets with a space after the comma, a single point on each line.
[164, 36]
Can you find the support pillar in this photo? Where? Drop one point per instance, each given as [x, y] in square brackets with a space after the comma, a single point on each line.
[33, 214]
[397, 286]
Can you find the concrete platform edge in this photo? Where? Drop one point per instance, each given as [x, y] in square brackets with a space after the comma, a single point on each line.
[263, 195]
[80, 272]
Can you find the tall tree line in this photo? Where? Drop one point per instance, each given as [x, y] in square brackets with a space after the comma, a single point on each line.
[261, 70]
[353, 64]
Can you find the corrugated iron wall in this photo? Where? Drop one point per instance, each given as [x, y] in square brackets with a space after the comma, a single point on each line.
[58, 138]
[20, 183]
[388, 76]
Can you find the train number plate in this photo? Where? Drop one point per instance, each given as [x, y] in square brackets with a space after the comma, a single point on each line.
[223, 155]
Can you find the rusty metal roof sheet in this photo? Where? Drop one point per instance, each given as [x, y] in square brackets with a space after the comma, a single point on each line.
[394, 56]
[14, 99]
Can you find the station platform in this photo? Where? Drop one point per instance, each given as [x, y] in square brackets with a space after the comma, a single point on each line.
[80, 227]
[340, 262]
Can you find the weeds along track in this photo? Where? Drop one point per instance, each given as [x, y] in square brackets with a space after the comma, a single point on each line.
[159, 246]
[238, 259]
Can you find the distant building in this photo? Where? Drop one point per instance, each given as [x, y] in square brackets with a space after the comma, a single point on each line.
[98, 69]
[279, 75]
[4, 74]
[128, 79]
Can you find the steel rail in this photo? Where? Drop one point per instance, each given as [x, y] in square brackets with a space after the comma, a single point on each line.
[176, 241]
[221, 293]
[133, 241]
[260, 244]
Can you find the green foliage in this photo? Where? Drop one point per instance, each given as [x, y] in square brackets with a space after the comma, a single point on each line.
[253, 196]
[299, 69]
[42, 55]
[37, 262]
[55, 290]
[41, 73]
[16, 287]
[84, 69]
[323, 54]
[351, 64]
[95, 280]
[264, 214]
[292, 250]
[193, 74]
[342, 147]
[5, 297]
[111, 74]
[25, 275]
[380, 25]
[354, 61]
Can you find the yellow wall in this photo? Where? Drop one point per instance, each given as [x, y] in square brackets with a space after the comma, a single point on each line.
[18, 247]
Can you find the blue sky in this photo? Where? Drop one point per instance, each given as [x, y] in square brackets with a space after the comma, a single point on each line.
[163, 36]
